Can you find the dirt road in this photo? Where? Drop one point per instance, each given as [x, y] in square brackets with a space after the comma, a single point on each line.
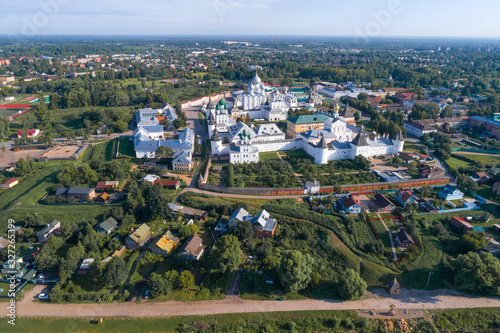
[377, 301]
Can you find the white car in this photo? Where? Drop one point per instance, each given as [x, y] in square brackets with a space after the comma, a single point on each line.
[44, 297]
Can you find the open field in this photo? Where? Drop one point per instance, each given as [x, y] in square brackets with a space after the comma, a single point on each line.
[63, 151]
[455, 163]
[9, 157]
[486, 159]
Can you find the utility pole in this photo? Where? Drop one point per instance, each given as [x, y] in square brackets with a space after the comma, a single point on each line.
[429, 279]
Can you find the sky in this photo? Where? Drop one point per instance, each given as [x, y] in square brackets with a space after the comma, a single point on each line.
[443, 18]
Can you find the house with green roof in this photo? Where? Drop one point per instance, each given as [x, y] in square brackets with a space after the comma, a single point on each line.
[305, 123]
[107, 227]
[138, 238]
[49, 229]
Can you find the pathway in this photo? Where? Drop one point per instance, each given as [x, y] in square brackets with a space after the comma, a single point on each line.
[378, 300]
[394, 253]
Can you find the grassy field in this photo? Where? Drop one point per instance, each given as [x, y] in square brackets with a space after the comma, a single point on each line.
[268, 156]
[486, 159]
[468, 320]
[126, 148]
[23, 199]
[246, 322]
[297, 153]
[429, 260]
[411, 147]
[455, 163]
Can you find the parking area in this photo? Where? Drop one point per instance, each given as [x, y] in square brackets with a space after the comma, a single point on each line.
[9, 157]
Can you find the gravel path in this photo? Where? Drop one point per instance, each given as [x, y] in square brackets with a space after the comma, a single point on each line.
[379, 300]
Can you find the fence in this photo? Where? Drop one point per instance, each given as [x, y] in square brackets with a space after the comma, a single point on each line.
[328, 189]
[474, 150]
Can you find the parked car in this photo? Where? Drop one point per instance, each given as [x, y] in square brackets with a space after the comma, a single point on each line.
[43, 297]
[146, 294]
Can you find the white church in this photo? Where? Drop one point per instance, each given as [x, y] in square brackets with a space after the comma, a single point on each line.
[255, 103]
[337, 141]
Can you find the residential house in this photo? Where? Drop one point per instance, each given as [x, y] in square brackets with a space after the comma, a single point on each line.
[150, 178]
[404, 197]
[107, 227]
[165, 244]
[193, 213]
[403, 239]
[76, 192]
[12, 265]
[86, 264]
[417, 129]
[4, 242]
[427, 207]
[393, 287]
[427, 171]
[350, 204]
[49, 229]
[9, 183]
[480, 177]
[496, 188]
[169, 184]
[103, 197]
[192, 248]
[29, 134]
[138, 238]
[381, 204]
[107, 185]
[262, 223]
[460, 224]
[451, 193]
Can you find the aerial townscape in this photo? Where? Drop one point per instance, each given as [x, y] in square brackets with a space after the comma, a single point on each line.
[228, 182]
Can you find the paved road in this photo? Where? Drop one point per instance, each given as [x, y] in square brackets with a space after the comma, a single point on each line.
[377, 301]
[194, 122]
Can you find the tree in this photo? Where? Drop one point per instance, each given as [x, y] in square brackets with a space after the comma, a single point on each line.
[159, 285]
[295, 270]
[164, 152]
[473, 241]
[185, 280]
[412, 167]
[352, 285]
[41, 112]
[70, 260]
[477, 272]
[243, 230]
[115, 272]
[397, 160]
[466, 184]
[226, 255]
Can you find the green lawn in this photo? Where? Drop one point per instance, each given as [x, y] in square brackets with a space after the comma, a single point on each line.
[493, 160]
[455, 163]
[429, 260]
[411, 147]
[268, 156]
[238, 322]
[126, 148]
[297, 153]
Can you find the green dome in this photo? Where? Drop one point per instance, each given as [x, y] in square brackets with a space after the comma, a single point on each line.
[221, 102]
[217, 107]
[226, 107]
